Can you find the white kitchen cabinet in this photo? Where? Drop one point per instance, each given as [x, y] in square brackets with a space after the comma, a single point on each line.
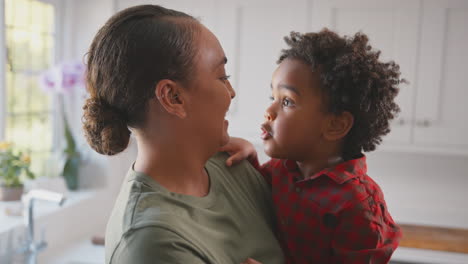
[428, 39]
[392, 27]
[441, 116]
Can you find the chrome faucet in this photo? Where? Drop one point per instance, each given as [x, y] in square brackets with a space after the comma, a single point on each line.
[31, 248]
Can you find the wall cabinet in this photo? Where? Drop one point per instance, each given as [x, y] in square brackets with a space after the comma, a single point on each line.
[441, 110]
[392, 27]
[427, 38]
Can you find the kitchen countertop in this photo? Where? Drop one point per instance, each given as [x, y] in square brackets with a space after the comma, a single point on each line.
[435, 238]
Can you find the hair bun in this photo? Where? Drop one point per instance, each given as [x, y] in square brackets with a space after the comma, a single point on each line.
[105, 127]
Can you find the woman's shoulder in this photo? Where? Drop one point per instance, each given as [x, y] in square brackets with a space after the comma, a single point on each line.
[242, 175]
[139, 204]
[219, 158]
[150, 243]
[242, 170]
[152, 208]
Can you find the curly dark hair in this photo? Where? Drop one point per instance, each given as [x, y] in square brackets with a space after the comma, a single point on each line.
[134, 50]
[352, 79]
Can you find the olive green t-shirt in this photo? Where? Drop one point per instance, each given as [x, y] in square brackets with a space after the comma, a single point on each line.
[150, 224]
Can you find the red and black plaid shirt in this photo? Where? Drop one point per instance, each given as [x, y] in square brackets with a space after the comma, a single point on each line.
[338, 215]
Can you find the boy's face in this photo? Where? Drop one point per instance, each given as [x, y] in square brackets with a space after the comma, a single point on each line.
[295, 120]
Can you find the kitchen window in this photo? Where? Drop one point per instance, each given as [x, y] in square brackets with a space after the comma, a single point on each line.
[29, 45]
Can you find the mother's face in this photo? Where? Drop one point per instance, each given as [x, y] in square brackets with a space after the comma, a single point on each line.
[210, 93]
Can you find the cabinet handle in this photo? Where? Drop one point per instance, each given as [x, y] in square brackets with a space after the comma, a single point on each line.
[423, 123]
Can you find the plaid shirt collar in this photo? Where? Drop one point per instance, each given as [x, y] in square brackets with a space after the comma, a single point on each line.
[339, 173]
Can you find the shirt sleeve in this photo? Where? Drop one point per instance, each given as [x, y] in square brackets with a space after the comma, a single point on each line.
[265, 169]
[155, 245]
[365, 234]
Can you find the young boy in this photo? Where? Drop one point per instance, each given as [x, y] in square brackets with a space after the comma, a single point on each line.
[332, 100]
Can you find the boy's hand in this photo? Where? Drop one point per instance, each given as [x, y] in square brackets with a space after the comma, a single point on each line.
[239, 149]
[251, 261]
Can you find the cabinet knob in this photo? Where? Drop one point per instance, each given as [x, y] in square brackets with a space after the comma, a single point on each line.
[401, 122]
[423, 123]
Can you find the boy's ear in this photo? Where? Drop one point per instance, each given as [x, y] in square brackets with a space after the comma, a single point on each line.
[338, 126]
[169, 95]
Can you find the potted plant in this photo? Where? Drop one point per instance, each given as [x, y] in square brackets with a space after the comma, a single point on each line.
[61, 80]
[14, 169]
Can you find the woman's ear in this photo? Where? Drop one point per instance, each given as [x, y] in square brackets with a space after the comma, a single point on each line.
[338, 126]
[168, 93]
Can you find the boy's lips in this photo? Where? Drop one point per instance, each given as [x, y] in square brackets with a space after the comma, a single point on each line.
[266, 132]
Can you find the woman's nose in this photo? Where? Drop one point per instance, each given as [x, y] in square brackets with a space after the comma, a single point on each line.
[231, 91]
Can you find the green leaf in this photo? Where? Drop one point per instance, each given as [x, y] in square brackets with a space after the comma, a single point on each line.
[70, 172]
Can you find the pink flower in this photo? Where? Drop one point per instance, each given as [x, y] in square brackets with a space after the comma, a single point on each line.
[63, 78]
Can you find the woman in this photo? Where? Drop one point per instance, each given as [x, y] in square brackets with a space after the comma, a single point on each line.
[161, 73]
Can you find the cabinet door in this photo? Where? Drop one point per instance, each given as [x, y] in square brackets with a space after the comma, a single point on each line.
[441, 108]
[392, 27]
[251, 33]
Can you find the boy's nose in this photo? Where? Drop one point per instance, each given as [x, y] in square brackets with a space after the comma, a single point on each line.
[269, 116]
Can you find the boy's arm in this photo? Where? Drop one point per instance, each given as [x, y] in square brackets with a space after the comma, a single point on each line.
[366, 234]
[240, 149]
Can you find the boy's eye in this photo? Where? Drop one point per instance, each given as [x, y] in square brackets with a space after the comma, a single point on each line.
[286, 102]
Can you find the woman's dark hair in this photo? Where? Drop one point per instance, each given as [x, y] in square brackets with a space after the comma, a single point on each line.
[135, 49]
[352, 79]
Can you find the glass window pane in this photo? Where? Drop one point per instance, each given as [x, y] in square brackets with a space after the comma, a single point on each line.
[48, 52]
[22, 13]
[30, 50]
[18, 94]
[49, 18]
[18, 48]
[18, 131]
[39, 100]
[30, 132]
[41, 138]
[41, 51]
[37, 17]
[8, 13]
[39, 163]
